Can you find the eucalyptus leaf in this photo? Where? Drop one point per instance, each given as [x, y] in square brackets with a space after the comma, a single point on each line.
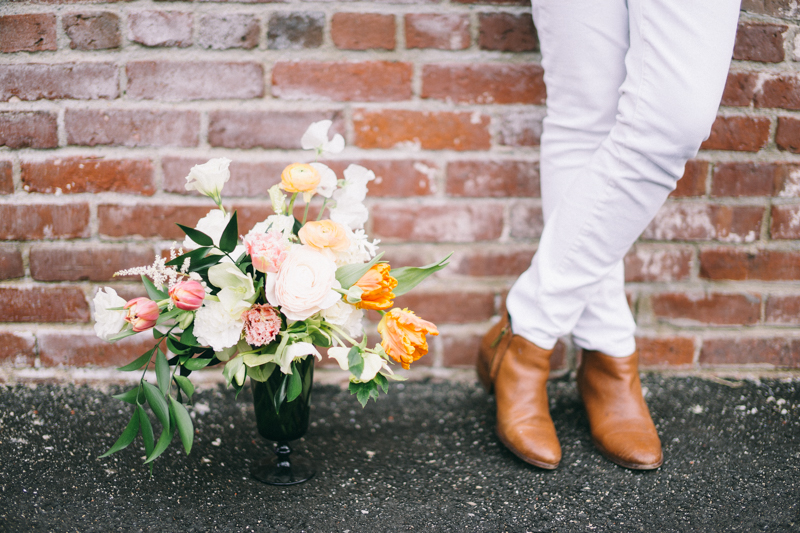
[197, 236]
[139, 362]
[349, 274]
[409, 277]
[157, 403]
[186, 386]
[153, 293]
[184, 423]
[230, 235]
[162, 372]
[130, 432]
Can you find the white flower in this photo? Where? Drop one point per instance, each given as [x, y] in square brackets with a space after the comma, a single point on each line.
[293, 351]
[108, 323]
[373, 363]
[282, 223]
[277, 199]
[213, 224]
[316, 138]
[350, 209]
[209, 178]
[327, 181]
[352, 215]
[216, 327]
[346, 316]
[304, 284]
[238, 293]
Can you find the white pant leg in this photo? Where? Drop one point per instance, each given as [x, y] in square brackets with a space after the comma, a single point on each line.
[675, 70]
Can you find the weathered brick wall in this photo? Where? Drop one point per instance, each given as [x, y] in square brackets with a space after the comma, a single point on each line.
[104, 106]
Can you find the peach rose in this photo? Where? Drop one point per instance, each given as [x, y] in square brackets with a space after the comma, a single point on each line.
[377, 285]
[324, 235]
[403, 335]
[300, 177]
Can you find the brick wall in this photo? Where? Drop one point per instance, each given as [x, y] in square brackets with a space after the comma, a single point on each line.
[104, 106]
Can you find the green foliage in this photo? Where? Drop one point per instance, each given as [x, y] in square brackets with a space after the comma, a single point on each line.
[197, 363]
[261, 372]
[126, 332]
[157, 403]
[139, 362]
[364, 391]
[184, 423]
[162, 372]
[147, 430]
[185, 385]
[197, 236]
[133, 396]
[355, 361]
[187, 337]
[193, 255]
[127, 436]
[153, 293]
[409, 277]
[230, 235]
[349, 274]
[167, 432]
[295, 384]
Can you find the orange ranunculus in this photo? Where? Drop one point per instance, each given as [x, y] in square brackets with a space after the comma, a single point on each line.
[324, 234]
[403, 335]
[377, 285]
[300, 177]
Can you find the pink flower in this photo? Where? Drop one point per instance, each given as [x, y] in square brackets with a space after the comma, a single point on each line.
[188, 295]
[142, 313]
[267, 250]
[261, 324]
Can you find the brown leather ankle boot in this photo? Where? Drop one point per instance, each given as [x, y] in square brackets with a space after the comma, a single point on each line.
[517, 371]
[619, 419]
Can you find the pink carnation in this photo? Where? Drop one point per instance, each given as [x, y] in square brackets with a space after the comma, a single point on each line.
[267, 250]
[261, 324]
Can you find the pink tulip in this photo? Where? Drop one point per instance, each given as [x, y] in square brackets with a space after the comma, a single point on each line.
[188, 295]
[142, 313]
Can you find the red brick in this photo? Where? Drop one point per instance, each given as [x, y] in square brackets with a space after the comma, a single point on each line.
[782, 309]
[742, 134]
[439, 31]
[17, 350]
[11, 262]
[26, 222]
[756, 41]
[505, 261]
[43, 304]
[520, 127]
[250, 214]
[132, 127]
[160, 28]
[774, 8]
[683, 221]
[148, 220]
[76, 81]
[452, 307]
[365, 81]
[221, 32]
[787, 136]
[429, 130]
[446, 222]
[6, 178]
[756, 179]
[86, 262]
[462, 352]
[86, 349]
[707, 308]
[97, 30]
[496, 2]
[665, 351]
[693, 181]
[28, 129]
[395, 178]
[527, 220]
[83, 174]
[363, 31]
[740, 89]
[194, 80]
[741, 351]
[782, 91]
[248, 179]
[735, 264]
[507, 32]
[28, 33]
[657, 263]
[493, 178]
[295, 31]
[785, 223]
[487, 83]
[266, 129]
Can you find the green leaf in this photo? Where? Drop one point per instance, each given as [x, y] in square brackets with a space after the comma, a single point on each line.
[188, 338]
[295, 384]
[178, 347]
[409, 277]
[129, 397]
[382, 382]
[196, 363]
[231, 368]
[319, 338]
[153, 293]
[184, 423]
[168, 315]
[147, 430]
[139, 362]
[122, 334]
[162, 372]
[158, 334]
[355, 361]
[230, 235]
[185, 385]
[280, 396]
[349, 274]
[205, 262]
[197, 236]
[262, 372]
[157, 403]
[127, 436]
[163, 441]
[192, 255]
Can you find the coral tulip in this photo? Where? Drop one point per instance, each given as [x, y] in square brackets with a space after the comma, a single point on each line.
[142, 313]
[403, 335]
[188, 295]
[377, 285]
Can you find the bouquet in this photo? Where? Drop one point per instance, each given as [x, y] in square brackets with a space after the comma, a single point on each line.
[260, 303]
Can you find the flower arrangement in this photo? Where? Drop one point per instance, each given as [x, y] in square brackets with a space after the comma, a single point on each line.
[262, 302]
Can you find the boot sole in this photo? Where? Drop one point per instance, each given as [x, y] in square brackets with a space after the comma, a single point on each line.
[625, 464]
[523, 457]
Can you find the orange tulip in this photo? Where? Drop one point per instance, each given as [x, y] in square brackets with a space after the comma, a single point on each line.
[377, 285]
[403, 335]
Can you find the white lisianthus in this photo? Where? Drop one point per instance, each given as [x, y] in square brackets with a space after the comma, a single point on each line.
[304, 285]
[316, 138]
[373, 363]
[350, 210]
[345, 316]
[216, 327]
[213, 224]
[238, 293]
[108, 323]
[293, 351]
[209, 178]
[282, 223]
[327, 181]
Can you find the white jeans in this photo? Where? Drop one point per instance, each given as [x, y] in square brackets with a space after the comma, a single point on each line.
[633, 87]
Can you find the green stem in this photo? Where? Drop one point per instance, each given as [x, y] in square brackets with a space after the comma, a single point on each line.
[341, 332]
[305, 213]
[322, 209]
[291, 205]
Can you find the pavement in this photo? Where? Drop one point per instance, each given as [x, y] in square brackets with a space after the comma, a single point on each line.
[423, 458]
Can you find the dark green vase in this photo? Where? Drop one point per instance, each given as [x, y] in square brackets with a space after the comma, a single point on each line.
[288, 422]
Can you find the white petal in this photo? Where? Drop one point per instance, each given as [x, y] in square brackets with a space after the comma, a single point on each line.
[327, 182]
[316, 135]
[335, 145]
[340, 355]
[372, 364]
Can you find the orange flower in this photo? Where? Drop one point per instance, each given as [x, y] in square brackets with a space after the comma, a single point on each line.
[377, 285]
[300, 177]
[403, 335]
[324, 234]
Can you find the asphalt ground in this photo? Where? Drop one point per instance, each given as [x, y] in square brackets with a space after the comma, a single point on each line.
[424, 458]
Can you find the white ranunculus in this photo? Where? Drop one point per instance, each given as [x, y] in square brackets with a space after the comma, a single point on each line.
[209, 178]
[316, 138]
[327, 181]
[304, 285]
[213, 224]
[293, 351]
[216, 327]
[108, 323]
[346, 316]
[282, 223]
[238, 293]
